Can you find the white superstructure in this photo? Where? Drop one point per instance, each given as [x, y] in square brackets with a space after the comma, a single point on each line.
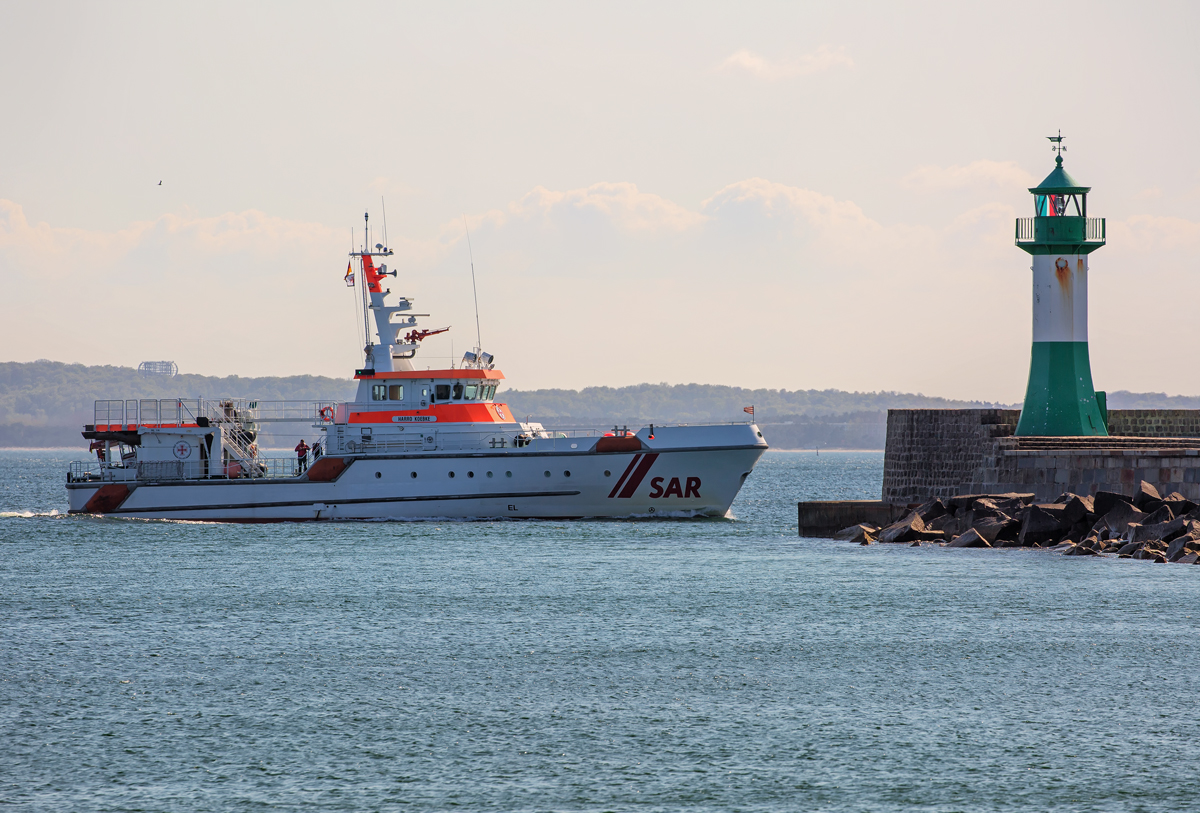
[412, 444]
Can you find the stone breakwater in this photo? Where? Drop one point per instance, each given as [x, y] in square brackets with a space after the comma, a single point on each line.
[937, 453]
[1143, 525]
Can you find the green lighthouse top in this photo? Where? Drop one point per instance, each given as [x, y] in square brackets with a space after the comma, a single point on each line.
[1059, 182]
[1060, 222]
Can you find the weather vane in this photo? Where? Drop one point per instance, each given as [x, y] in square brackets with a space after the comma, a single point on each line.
[1058, 147]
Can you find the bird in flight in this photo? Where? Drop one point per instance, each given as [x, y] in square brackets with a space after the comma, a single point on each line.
[160, 183]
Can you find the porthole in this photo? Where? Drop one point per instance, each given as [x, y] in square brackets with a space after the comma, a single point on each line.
[546, 473]
[566, 474]
[489, 474]
[508, 474]
[607, 473]
[378, 474]
[412, 474]
[470, 474]
[451, 474]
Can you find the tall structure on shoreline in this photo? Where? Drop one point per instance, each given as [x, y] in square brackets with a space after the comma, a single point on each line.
[1060, 399]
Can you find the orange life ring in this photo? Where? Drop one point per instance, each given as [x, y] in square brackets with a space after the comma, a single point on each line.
[326, 414]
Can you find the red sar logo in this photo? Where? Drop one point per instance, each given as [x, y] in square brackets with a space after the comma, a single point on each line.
[691, 488]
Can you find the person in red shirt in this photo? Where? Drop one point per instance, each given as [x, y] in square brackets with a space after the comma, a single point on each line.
[301, 455]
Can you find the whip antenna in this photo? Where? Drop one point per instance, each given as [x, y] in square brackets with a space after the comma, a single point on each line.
[474, 290]
[384, 205]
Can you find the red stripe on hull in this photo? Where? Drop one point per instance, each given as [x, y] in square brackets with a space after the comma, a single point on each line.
[639, 475]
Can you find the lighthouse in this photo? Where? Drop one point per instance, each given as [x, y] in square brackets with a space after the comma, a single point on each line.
[1060, 399]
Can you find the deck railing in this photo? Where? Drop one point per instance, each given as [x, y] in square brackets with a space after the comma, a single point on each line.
[155, 471]
[176, 411]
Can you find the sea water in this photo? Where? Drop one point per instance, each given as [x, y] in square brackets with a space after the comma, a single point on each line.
[581, 666]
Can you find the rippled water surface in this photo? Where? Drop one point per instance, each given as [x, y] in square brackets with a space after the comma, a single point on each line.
[662, 665]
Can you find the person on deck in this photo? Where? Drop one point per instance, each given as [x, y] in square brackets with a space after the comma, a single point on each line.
[301, 456]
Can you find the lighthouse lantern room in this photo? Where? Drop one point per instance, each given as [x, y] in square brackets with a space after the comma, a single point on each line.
[1060, 399]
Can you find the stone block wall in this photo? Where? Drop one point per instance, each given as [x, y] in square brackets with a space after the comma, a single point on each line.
[942, 452]
[935, 452]
[1154, 423]
[1048, 473]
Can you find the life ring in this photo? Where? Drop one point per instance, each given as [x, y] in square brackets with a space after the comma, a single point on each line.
[326, 414]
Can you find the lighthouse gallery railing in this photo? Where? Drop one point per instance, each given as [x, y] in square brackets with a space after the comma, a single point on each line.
[1060, 230]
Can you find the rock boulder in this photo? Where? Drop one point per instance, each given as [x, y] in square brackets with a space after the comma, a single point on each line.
[971, 539]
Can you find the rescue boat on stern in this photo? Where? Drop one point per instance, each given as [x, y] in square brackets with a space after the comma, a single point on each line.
[413, 444]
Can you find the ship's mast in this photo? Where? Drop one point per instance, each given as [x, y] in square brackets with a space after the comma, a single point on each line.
[366, 312]
[380, 357]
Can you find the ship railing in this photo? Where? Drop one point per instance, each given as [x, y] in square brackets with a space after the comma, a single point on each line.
[83, 471]
[256, 411]
[135, 412]
[157, 470]
[432, 440]
[555, 440]
[278, 468]
[415, 443]
[260, 468]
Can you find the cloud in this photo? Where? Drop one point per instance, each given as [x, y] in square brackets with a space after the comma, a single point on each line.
[974, 175]
[561, 274]
[1153, 234]
[823, 59]
[620, 204]
[769, 199]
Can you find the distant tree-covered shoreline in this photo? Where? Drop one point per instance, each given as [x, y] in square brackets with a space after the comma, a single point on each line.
[45, 403]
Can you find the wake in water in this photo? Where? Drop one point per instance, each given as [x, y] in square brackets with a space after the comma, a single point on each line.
[53, 512]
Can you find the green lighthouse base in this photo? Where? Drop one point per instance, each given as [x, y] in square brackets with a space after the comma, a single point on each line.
[1060, 400]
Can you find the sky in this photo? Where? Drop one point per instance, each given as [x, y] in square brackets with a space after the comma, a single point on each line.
[784, 195]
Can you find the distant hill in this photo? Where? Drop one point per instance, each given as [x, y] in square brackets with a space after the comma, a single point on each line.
[45, 403]
[1123, 399]
[697, 403]
[43, 393]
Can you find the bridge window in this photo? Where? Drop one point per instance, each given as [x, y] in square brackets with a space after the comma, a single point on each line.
[458, 390]
[379, 392]
[442, 392]
[470, 393]
[396, 392]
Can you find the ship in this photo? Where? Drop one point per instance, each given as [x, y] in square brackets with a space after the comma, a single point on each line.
[412, 445]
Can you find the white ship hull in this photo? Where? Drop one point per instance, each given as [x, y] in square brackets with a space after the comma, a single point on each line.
[411, 444]
[669, 477]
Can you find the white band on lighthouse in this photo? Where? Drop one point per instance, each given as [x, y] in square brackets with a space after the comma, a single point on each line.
[1060, 301]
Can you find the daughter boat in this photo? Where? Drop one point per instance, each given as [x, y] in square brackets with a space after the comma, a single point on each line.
[413, 444]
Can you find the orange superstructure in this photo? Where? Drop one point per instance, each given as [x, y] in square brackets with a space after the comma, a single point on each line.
[438, 413]
[465, 372]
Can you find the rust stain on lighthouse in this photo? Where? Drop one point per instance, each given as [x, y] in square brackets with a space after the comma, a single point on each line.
[1062, 270]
